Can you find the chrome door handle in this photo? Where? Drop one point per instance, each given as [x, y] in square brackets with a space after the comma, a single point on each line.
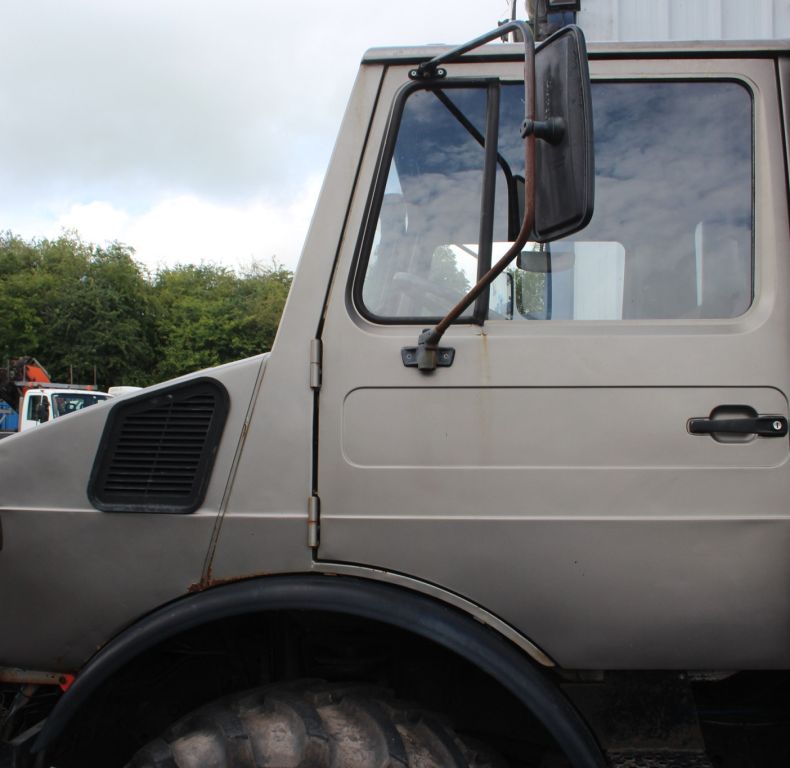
[763, 426]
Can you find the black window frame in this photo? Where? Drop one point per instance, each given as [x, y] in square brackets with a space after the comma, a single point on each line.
[479, 314]
[373, 206]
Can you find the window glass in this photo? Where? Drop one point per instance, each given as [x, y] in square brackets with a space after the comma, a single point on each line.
[431, 202]
[33, 405]
[671, 236]
[70, 402]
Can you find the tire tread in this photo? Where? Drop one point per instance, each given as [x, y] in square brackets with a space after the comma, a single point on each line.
[311, 724]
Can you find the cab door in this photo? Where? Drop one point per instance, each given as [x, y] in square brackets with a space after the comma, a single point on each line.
[566, 471]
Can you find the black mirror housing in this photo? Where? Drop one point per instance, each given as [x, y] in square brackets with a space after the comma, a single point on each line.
[565, 165]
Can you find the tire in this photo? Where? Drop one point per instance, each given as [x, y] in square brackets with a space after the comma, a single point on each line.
[311, 724]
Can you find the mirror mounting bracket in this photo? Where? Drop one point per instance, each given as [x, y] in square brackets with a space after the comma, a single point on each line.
[427, 73]
[427, 356]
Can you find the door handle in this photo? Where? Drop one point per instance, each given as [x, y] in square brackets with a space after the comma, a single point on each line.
[763, 426]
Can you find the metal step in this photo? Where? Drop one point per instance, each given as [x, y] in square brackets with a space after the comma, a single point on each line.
[637, 758]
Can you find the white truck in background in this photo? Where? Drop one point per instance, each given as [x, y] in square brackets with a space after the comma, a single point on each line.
[27, 389]
[42, 404]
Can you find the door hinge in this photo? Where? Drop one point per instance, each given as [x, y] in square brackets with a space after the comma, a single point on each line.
[315, 363]
[313, 515]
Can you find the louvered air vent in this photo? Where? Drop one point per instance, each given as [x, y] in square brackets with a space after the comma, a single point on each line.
[158, 449]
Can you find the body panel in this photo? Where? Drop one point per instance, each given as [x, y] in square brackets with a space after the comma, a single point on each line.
[667, 20]
[546, 481]
[71, 576]
[549, 476]
[275, 474]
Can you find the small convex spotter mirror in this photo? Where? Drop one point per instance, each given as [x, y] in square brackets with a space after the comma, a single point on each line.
[559, 160]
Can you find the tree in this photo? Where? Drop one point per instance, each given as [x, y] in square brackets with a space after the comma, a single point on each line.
[263, 293]
[107, 317]
[75, 306]
[209, 315]
[20, 322]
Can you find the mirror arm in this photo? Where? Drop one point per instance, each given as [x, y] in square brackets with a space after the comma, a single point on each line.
[429, 70]
[428, 342]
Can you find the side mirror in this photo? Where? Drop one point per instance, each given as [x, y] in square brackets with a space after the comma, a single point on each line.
[43, 410]
[564, 156]
[558, 159]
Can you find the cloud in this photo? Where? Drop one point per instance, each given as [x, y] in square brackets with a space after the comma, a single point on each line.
[116, 114]
[188, 229]
[124, 100]
[222, 99]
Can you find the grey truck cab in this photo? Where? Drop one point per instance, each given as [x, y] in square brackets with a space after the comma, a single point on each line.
[511, 487]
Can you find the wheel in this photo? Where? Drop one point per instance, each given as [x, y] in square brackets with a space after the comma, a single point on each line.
[313, 724]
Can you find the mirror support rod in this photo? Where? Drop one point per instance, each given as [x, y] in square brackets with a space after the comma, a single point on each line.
[428, 342]
[432, 69]
[427, 351]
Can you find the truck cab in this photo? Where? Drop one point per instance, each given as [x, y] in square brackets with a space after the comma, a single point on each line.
[40, 405]
[514, 456]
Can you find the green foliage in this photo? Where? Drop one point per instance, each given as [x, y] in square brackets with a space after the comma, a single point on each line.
[530, 289]
[446, 273]
[75, 306]
[209, 315]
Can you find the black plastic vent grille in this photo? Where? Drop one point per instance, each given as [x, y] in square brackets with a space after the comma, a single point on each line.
[158, 449]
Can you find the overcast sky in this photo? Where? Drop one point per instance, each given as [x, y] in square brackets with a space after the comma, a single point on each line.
[189, 129]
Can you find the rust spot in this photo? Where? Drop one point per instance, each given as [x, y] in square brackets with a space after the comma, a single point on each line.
[484, 359]
[201, 586]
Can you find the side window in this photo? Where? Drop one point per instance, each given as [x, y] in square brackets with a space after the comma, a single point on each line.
[33, 405]
[420, 264]
[671, 236]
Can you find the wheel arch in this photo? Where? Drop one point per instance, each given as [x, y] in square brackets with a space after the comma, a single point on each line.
[415, 612]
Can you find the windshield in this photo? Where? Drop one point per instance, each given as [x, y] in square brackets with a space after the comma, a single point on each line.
[71, 402]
